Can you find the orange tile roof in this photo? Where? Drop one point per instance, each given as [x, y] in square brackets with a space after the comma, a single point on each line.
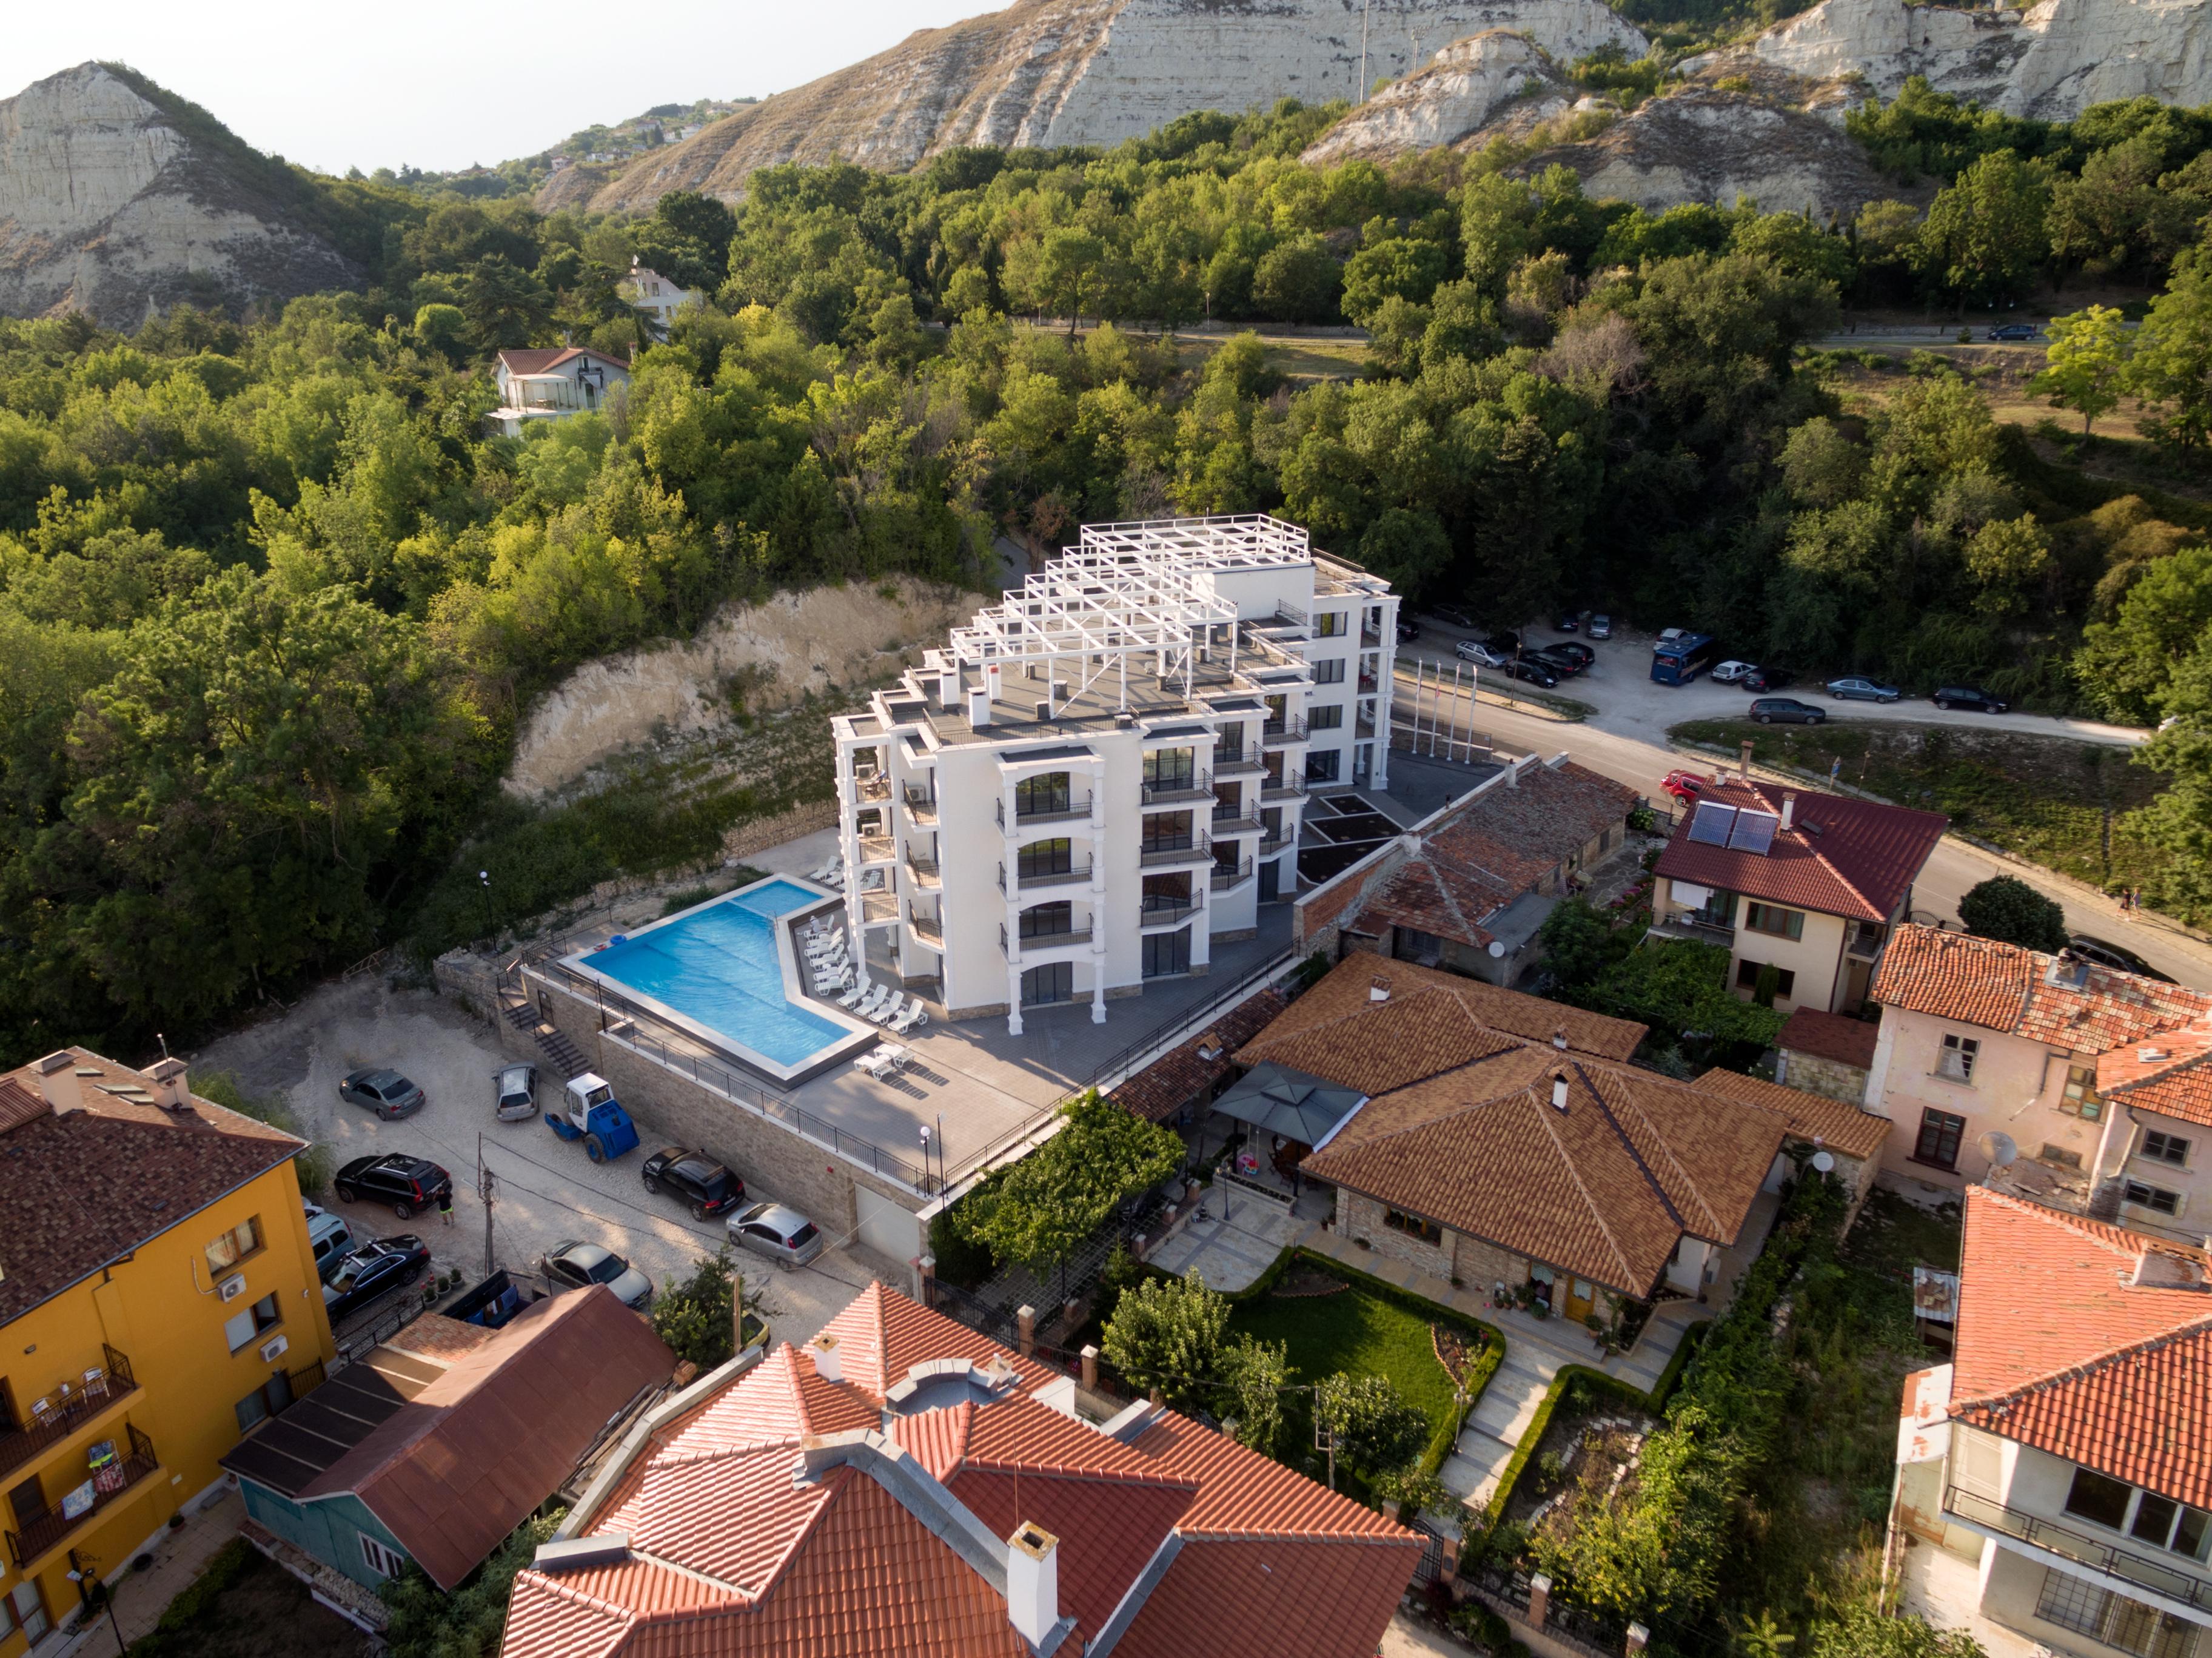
[1836, 1124]
[1172, 1081]
[1606, 1188]
[729, 1555]
[1830, 1036]
[1325, 1599]
[1431, 1022]
[1856, 858]
[2058, 1349]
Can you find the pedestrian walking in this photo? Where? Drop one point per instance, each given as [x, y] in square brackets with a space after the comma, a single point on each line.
[446, 1206]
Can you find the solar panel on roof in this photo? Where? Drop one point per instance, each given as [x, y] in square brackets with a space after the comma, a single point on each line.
[1710, 827]
[1754, 832]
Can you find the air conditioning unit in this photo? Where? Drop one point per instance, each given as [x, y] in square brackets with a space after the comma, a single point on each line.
[232, 1287]
[273, 1348]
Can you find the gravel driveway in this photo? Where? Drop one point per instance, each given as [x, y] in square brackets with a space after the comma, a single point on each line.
[546, 1192]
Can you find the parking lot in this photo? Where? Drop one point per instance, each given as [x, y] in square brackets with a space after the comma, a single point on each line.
[546, 1191]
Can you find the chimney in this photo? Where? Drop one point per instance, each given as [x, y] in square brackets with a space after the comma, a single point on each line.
[948, 691]
[1559, 1091]
[1033, 1583]
[1559, 1038]
[169, 1087]
[979, 709]
[1378, 990]
[828, 1363]
[1788, 811]
[57, 1082]
[1743, 761]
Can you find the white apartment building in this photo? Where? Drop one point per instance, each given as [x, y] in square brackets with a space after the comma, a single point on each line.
[1102, 774]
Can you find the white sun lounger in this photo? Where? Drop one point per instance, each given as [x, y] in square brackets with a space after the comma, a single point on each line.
[915, 1016]
[853, 997]
[873, 1008]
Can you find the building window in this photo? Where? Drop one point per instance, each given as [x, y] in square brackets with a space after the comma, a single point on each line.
[235, 1245]
[264, 1315]
[1331, 624]
[2059, 1155]
[1047, 921]
[1328, 673]
[26, 1611]
[1748, 972]
[1717, 910]
[1321, 767]
[2074, 1603]
[1046, 857]
[1167, 831]
[1049, 793]
[1412, 1226]
[383, 1562]
[1772, 918]
[1169, 769]
[1053, 982]
[1940, 1133]
[1956, 1060]
[2080, 1098]
[1167, 954]
[2166, 1148]
[2096, 1497]
[1327, 718]
[2156, 1198]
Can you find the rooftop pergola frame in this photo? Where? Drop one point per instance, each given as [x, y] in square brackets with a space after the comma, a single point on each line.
[1124, 590]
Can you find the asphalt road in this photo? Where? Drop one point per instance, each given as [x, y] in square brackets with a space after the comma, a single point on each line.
[1634, 757]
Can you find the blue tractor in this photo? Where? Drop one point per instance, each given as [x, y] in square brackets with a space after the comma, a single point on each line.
[593, 1116]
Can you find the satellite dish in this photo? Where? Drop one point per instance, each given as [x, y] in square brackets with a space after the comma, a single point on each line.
[1998, 1146]
[1497, 948]
[1824, 1161]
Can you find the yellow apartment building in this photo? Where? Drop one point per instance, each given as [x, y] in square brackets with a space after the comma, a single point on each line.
[158, 1297]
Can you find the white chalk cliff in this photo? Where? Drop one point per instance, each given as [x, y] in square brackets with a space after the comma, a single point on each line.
[1464, 87]
[1045, 72]
[2051, 62]
[109, 203]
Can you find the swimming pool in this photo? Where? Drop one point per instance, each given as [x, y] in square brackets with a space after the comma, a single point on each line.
[717, 968]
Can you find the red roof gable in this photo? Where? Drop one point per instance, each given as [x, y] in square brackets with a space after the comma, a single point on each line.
[2087, 1341]
[1830, 1036]
[1856, 858]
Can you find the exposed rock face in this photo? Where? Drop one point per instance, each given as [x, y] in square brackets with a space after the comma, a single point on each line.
[1702, 145]
[2051, 62]
[1465, 87]
[110, 204]
[1086, 72]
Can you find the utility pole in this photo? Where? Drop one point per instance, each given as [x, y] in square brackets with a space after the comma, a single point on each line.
[485, 1190]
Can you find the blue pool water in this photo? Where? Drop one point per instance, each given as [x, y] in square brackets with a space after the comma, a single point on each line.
[718, 966]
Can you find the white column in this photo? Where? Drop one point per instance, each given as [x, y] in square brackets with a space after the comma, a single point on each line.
[1013, 995]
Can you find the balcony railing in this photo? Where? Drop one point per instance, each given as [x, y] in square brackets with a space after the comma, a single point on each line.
[924, 869]
[1197, 787]
[877, 849]
[1046, 877]
[1239, 764]
[1167, 911]
[1866, 942]
[1052, 812]
[1236, 821]
[1271, 844]
[1225, 875]
[1176, 849]
[872, 787]
[2125, 1564]
[66, 1412]
[926, 927]
[1073, 935]
[1689, 924]
[1278, 732]
[1283, 788]
[39, 1534]
[920, 807]
[879, 906]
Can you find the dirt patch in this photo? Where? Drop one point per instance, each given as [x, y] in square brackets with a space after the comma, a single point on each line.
[1305, 1281]
[1596, 1451]
[748, 659]
[265, 1612]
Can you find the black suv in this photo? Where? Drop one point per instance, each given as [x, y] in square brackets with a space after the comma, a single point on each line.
[1565, 664]
[1451, 615]
[1787, 709]
[1768, 679]
[412, 1186]
[696, 1178]
[1970, 697]
[383, 1091]
[1529, 669]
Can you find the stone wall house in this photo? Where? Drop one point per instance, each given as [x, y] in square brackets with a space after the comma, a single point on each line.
[1826, 1053]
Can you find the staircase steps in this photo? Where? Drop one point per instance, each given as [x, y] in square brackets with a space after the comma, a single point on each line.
[560, 1053]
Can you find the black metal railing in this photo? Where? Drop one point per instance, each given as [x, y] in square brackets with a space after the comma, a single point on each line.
[1225, 875]
[2125, 1564]
[1175, 849]
[1166, 912]
[1066, 935]
[1053, 812]
[926, 927]
[1276, 732]
[40, 1532]
[920, 806]
[1198, 785]
[1235, 820]
[1277, 788]
[1045, 878]
[66, 1412]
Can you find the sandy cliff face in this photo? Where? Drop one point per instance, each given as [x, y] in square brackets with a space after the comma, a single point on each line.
[2051, 62]
[1085, 72]
[1464, 89]
[107, 205]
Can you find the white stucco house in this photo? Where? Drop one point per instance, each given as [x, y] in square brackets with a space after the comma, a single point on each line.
[659, 297]
[551, 384]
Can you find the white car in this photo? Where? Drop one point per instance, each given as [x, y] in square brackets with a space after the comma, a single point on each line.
[1474, 651]
[1731, 671]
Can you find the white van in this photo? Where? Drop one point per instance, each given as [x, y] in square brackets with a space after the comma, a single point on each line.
[332, 1239]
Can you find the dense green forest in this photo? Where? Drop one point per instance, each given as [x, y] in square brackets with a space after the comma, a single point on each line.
[272, 601]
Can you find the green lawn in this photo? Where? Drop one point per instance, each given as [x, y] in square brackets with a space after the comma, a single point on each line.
[1358, 1332]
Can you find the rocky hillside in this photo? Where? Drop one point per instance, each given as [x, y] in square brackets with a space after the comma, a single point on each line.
[116, 198]
[1080, 72]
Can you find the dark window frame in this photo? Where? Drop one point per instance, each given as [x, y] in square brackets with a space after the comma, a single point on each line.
[1938, 1128]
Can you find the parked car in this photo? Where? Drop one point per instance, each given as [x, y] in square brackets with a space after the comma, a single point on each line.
[1729, 672]
[1550, 656]
[1407, 629]
[1686, 785]
[781, 1234]
[2104, 953]
[2014, 331]
[1574, 650]
[1535, 673]
[1768, 679]
[1569, 621]
[387, 1093]
[1788, 711]
[412, 1186]
[574, 1266]
[696, 1179]
[1452, 615]
[332, 1240]
[373, 1271]
[1504, 642]
[515, 1093]
[1857, 688]
[1600, 627]
[1474, 651]
[1971, 697]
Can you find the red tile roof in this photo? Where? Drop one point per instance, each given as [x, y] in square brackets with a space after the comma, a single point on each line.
[1830, 1036]
[1836, 1125]
[1172, 1081]
[1856, 858]
[537, 359]
[2087, 1341]
[729, 1555]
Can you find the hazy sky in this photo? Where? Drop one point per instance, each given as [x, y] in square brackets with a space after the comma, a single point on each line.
[444, 85]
